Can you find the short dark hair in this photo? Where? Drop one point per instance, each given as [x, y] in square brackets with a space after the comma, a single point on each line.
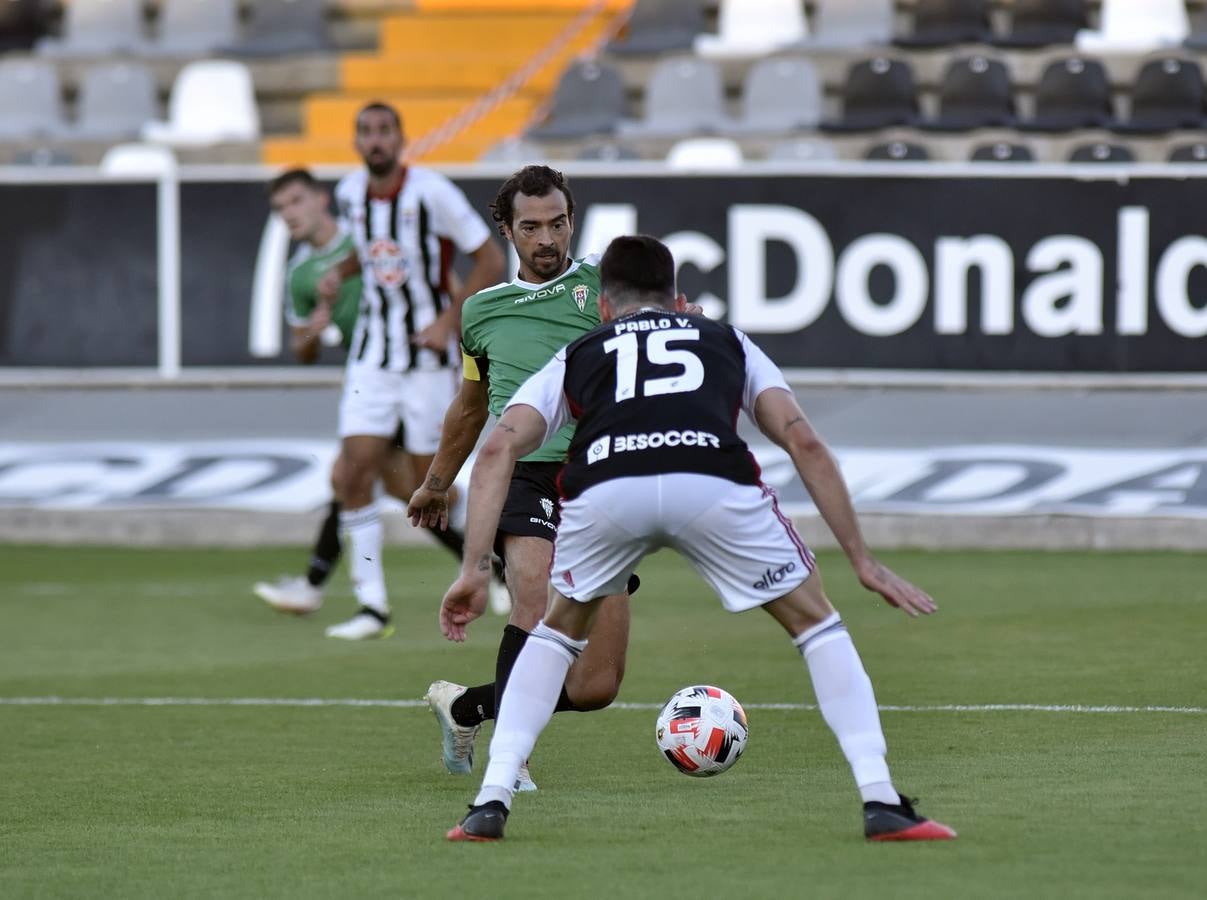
[379, 106]
[293, 176]
[533, 181]
[638, 269]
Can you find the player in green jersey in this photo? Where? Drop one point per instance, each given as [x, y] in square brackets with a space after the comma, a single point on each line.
[509, 332]
[305, 206]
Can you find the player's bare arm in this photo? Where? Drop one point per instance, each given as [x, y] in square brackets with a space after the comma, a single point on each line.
[520, 431]
[463, 423]
[328, 285]
[488, 268]
[781, 419]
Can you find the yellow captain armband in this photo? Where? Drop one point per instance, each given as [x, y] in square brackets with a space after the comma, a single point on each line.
[469, 367]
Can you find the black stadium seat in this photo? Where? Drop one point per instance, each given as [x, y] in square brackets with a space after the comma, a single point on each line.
[1072, 93]
[1002, 151]
[899, 151]
[22, 22]
[940, 23]
[1102, 153]
[1195, 152]
[1167, 94]
[1041, 23]
[878, 93]
[975, 93]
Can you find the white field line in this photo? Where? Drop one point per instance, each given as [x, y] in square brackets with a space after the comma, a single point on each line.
[412, 704]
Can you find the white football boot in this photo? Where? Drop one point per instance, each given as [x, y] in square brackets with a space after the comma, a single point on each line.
[364, 625]
[458, 740]
[291, 594]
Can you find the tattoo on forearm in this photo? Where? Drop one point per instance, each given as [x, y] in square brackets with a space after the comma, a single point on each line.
[435, 482]
[483, 563]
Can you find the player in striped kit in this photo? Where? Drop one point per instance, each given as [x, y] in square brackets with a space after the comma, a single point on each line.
[407, 222]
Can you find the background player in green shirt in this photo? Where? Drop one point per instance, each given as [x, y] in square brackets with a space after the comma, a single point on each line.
[305, 206]
[509, 332]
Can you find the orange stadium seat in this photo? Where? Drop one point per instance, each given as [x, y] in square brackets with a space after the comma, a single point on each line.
[491, 62]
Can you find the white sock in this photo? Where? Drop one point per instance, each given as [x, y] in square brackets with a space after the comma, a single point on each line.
[528, 702]
[365, 538]
[848, 704]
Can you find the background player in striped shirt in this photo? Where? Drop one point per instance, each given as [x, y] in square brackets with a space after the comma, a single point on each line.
[656, 461]
[407, 222]
[305, 207]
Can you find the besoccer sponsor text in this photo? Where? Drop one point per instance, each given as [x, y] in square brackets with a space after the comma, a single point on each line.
[603, 447]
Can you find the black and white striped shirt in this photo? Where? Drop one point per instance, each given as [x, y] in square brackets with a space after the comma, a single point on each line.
[405, 244]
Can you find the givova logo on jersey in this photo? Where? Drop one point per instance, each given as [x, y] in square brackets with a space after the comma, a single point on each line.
[388, 263]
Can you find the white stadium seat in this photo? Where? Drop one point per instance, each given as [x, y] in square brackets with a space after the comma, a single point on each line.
[754, 27]
[705, 155]
[213, 101]
[1136, 26]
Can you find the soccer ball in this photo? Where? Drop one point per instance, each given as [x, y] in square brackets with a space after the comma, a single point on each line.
[702, 730]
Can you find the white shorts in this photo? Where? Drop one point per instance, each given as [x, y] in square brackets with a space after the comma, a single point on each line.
[733, 534]
[375, 400]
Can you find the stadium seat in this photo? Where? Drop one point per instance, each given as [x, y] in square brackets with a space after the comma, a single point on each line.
[589, 99]
[44, 156]
[195, 27]
[705, 155]
[212, 101]
[608, 152]
[839, 24]
[281, 27]
[1136, 26]
[115, 101]
[1167, 94]
[661, 26]
[31, 104]
[1041, 23]
[514, 151]
[803, 150]
[975, 93]
[1002, 151]
[878, 93]
[683, 96]
[139, 160]
[22, 22]
[940, 23]
[1194, 152]
[780, 95]
[754, 28]
[897, 151]
[1102, 153]
[1072, 93]
[98, 28]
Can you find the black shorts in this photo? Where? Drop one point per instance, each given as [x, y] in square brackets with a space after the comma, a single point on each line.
[531, 508]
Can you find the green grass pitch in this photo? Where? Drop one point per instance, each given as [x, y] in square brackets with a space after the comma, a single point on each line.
[351, 801]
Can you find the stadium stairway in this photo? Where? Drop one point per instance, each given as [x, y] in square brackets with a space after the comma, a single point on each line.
[464, 73]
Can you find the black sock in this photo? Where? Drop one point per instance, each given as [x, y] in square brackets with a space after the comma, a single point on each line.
[455, 541]
[475, 706]
[509, 650]
[327, 548]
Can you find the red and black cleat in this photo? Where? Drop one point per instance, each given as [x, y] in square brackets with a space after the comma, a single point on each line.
[482, 823]
[886, 822]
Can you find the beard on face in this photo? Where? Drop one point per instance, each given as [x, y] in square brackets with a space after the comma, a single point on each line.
[380, 163]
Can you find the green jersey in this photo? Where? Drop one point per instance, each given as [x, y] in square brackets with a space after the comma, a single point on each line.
[509, 332]
[306, 267]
